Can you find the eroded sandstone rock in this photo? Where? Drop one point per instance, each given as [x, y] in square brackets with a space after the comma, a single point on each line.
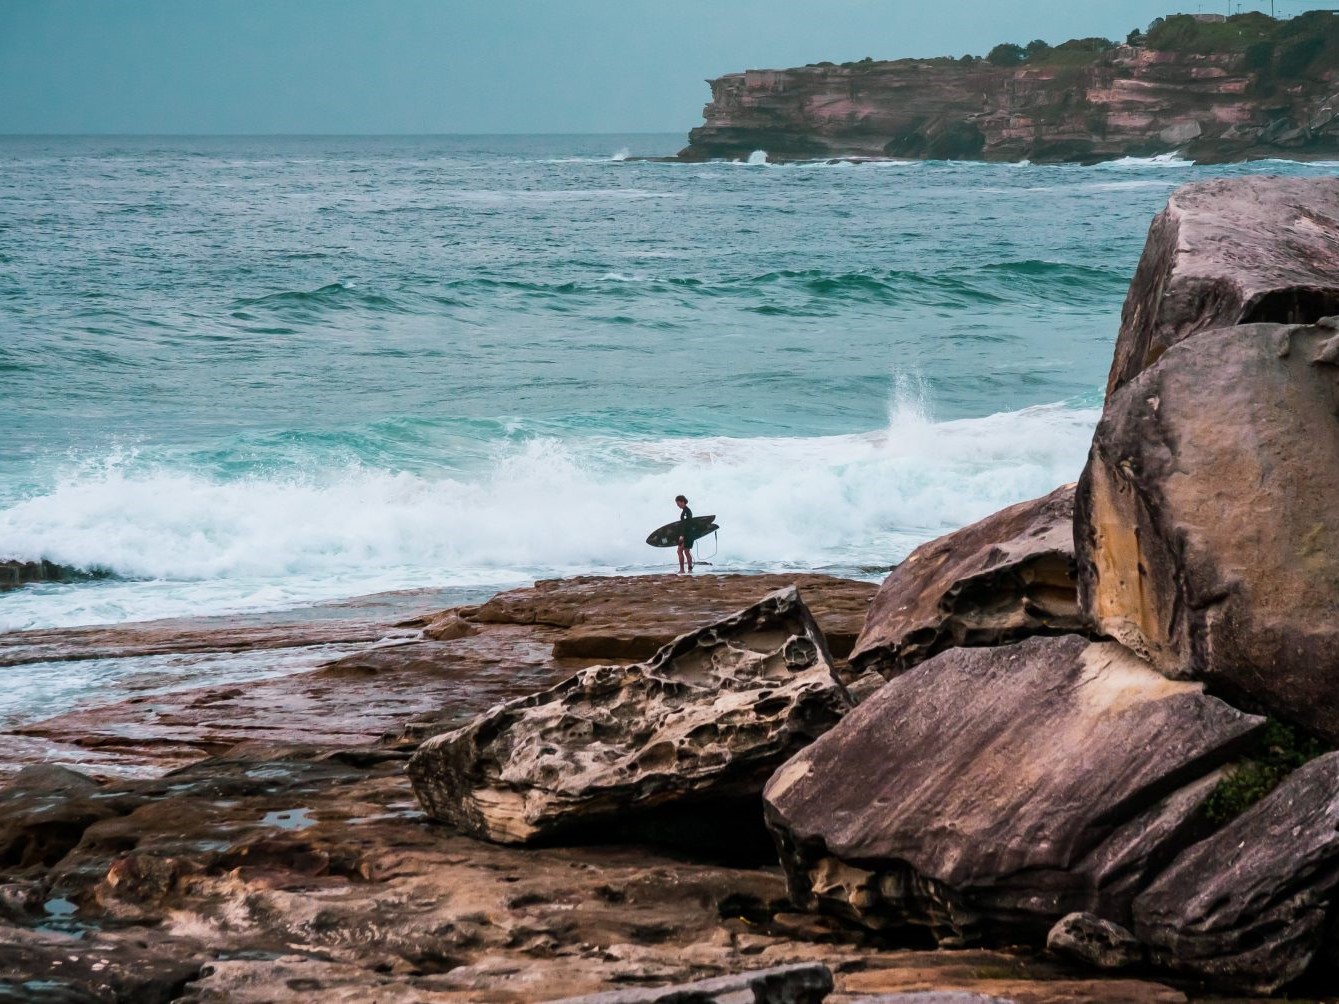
[1206, 528]
[677, 747]
[988, 792]
[1006, 577]
[1246, 909]
[1226, 252]
[299, 867]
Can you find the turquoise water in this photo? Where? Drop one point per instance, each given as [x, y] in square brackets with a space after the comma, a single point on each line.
[254, 373]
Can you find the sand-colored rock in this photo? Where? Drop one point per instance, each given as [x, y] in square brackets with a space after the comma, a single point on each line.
[1206, 529]
[1227, 252]
[1006, 577]
[676, 748]
[988, 792]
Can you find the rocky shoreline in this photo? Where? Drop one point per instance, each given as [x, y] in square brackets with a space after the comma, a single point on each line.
[1249, 102]
[1079, 751]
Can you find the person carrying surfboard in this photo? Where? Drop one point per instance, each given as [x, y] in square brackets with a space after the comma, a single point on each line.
[685, 538]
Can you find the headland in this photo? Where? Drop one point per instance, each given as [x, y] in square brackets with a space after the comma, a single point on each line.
[1206, 88]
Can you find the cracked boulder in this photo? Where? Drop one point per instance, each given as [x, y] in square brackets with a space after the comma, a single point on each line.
[1007, 577]
[1227, 252]
[1246, 909]
[1206, 527]
[989, 792]
[675, 749]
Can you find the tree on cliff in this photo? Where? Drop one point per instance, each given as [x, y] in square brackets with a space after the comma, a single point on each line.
[1007, 54]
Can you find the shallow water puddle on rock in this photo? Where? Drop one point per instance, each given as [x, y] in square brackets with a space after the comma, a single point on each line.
[288, 819]
[60, 918]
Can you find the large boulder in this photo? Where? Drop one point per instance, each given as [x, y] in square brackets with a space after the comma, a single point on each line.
[1227, 252]
[1246, 909]
[677, 748]
[1206, 526]
[989, 792]
[1002, 579]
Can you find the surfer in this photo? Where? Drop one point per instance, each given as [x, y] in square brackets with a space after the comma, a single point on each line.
[685, 538]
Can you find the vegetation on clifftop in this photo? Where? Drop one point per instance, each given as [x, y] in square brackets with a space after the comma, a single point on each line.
[1304, 45]
[1296, 47]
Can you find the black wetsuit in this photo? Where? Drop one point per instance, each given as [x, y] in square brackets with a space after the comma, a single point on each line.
[686, 537]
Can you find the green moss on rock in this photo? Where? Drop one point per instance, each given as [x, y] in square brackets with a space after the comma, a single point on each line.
[1278, 752]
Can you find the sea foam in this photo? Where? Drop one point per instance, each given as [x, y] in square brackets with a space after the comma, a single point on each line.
[191, 542]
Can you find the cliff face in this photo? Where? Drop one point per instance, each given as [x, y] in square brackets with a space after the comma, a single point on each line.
[1129, 102]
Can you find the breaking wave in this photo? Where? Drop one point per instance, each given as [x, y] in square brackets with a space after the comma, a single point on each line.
[547, 505]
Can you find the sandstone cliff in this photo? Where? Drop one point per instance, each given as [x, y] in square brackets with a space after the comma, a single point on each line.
[1127, 101]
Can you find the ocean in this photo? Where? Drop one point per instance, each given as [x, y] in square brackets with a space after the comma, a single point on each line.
[255, 374]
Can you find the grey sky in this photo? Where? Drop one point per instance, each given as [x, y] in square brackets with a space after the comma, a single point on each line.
[434, 66]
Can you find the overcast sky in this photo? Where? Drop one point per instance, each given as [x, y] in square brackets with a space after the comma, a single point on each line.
[440, 66]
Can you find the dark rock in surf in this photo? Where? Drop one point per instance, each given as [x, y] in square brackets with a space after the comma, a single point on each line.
[675, 749]
[1247, 908]
[14, 574]
[1205, 524]
[988, 792]
[1002, 579]
[1227, 252]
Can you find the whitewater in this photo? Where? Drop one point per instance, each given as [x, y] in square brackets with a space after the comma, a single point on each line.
[252, 375]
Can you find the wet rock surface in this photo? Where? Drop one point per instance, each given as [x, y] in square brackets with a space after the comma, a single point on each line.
[293, 865]
[1205, 519]
[631, 618]
[677, 748]
[1002, 579]
[1247, 908]
[999, 789]
[1228, 252]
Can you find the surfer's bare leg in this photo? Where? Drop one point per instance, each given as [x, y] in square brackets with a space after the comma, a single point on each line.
[684, 553]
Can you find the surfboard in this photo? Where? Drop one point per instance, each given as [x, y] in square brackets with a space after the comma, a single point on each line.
[669, 534]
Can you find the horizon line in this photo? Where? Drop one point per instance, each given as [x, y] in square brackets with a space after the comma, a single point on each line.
[324, 135]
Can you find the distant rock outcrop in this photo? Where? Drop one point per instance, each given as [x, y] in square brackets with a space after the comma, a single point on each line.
[1210, 106]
